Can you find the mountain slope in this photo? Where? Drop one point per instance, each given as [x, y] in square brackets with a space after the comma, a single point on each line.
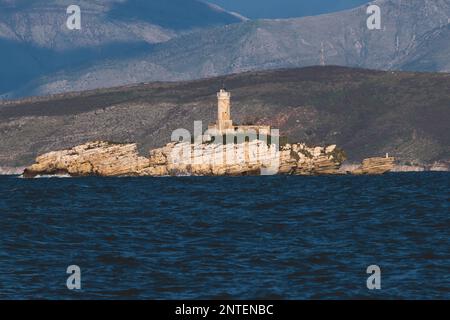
[35, 35]
[368, 113]
[414, 37]
[432, 54]
[276, 9]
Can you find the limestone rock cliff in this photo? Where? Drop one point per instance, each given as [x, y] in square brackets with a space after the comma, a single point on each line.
[101, 158]
[94, 158]
[375, 166]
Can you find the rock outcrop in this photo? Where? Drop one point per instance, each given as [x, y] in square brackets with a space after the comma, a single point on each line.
[208, 159]
[93, 159]
[302, 160]
[375, 166]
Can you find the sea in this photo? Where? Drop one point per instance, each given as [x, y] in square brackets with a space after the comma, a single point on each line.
[280, 237]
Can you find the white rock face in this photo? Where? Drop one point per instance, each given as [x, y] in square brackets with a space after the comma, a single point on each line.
[330, 149]
[250, 158]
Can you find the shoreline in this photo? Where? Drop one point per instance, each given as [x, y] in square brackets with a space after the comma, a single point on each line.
[343, 171]
[20, 176]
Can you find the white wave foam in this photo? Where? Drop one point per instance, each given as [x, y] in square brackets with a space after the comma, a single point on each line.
[50, 176]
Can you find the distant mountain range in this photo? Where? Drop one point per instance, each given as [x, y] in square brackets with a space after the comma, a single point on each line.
[124, 42]
[35, 42]
[367, 113]
[276, 9]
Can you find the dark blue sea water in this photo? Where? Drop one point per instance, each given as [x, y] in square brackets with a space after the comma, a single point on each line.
[249, 237]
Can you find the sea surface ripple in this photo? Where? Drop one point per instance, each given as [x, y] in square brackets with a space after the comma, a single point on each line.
[218, 238]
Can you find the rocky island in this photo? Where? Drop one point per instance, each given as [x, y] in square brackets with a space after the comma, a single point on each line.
[102, 158]
[252, 150]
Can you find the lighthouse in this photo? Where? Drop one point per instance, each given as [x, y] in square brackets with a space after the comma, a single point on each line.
[224, 124]
[224, 121]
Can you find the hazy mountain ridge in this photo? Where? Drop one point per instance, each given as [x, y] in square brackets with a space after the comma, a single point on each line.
[278, 9]
[43, 24]
[432, 54]
[35, 41]
[367, 113]
[413, 37]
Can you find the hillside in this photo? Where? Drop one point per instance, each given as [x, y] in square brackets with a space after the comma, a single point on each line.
[35, 42]
[368, 113]
[414, 37]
